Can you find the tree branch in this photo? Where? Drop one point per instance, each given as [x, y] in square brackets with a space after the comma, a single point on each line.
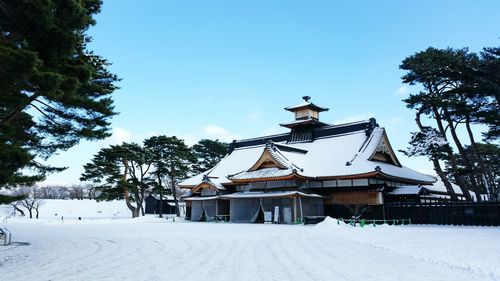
[44, 114]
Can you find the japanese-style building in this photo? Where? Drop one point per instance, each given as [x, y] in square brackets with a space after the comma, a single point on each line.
[305, 172]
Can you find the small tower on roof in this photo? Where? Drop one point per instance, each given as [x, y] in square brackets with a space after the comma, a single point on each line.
[306, 119]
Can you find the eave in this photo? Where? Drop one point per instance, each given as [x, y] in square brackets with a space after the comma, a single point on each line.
[293, 176]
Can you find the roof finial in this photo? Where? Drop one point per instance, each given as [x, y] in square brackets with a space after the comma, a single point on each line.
[306, 98]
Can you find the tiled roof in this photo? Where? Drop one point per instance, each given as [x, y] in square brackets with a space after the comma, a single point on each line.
[268, 194]
[305, 104]
[339, 151]
[262, 174]
[408, 190]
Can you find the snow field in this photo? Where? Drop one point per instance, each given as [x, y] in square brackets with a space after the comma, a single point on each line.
[72, 209]
[153, 249]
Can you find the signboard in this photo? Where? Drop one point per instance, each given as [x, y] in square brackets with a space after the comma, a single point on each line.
[276, 214]
[268, 217]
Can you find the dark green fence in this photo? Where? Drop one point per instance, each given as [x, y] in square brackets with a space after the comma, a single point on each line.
[487, 214]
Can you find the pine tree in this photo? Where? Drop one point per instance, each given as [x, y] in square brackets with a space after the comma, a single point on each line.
[172, 160]
[54, 90]
[121, 172]
[208, 154]
[459, 88]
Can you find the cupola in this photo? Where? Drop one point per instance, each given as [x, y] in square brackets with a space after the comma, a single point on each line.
[306, 119]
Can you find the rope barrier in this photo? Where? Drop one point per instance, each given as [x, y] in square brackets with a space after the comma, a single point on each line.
[374, 223]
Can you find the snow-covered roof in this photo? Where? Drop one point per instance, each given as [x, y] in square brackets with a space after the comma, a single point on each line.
[165, 197]
[201, 198]
[408, 190]
[262, 174]
[440, 187]
[344, 153]
[305, 104]
[268, 194]
[437, 189]
[301, 122]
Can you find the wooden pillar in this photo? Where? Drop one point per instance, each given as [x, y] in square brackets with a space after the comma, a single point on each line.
[295, 209]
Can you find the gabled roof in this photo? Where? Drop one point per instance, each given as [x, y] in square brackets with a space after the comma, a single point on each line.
[273, 163]
[337, 152]
[273, 154]
[383, 148]
[210, 185]
[306, 104]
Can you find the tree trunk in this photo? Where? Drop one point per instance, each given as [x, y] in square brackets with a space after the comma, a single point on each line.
[125, 191]
[465, 158]
[31, 213]
[19, 210]
[174, 191]
[36, 213]
[437, 167]
[140, 207]
[451, 157]
[483, 170]
[444, 179]
[18, 109]
[160, 211]
[142, 203]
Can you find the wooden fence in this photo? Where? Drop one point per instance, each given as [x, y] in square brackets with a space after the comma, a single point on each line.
[486, 214]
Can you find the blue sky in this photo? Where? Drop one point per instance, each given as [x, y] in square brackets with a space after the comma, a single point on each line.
[226, 69]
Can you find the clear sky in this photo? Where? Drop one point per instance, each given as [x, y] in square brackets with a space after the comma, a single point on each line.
[226, 69]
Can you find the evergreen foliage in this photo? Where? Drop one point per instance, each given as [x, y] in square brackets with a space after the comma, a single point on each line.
[172, 160]
[208, 154]
[54, 91]
[458, 89]
[120, 172]
[129, 171]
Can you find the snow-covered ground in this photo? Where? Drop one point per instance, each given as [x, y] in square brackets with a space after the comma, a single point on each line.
[71, 209]
[154, 249]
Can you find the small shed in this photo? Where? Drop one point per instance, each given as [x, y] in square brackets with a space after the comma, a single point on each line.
[153, 204]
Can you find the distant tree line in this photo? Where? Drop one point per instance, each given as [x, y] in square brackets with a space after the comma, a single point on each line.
[31, 198]
[457, 90]
[131, 171]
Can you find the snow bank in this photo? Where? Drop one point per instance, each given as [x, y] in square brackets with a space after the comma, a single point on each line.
[330, 223]
[469, 249]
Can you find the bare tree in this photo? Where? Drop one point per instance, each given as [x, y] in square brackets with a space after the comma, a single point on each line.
[91, 192]
[77, 191]
[53, 192]
[16, 206]
[32, 200]
[37, 205]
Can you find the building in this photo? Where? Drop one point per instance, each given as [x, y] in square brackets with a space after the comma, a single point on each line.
[153, 203]
[309, 171]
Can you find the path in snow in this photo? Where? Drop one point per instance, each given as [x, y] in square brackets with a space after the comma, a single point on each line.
[153, 250]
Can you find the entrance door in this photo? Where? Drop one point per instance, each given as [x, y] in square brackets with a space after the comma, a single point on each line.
[287, 215]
